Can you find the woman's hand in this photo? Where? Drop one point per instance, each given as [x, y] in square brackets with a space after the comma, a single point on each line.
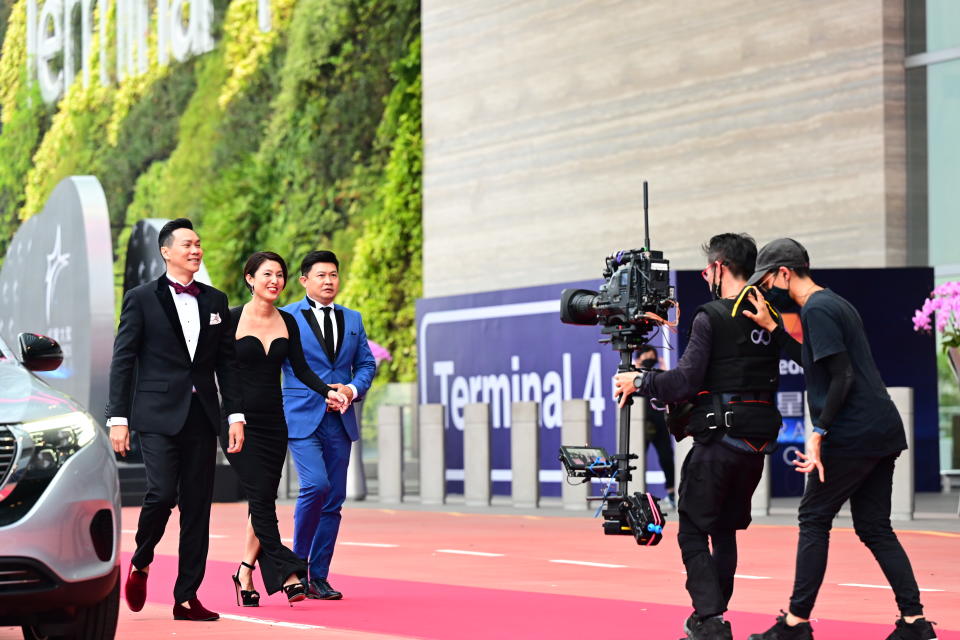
[337, 400]
[762, 316]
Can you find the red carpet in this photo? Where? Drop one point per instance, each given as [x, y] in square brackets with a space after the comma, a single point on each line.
[442, 611]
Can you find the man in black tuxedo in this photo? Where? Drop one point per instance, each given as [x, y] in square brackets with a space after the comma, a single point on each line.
[173, 336]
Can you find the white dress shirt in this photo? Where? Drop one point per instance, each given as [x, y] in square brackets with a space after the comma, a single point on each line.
[318, 308]
[188, 311]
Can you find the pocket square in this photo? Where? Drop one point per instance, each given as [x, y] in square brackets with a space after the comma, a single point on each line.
[214, 318]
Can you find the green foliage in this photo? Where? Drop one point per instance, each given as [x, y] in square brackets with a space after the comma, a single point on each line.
[304, 137]
[387, 272]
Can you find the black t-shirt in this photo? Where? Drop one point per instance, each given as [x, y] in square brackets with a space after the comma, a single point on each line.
[868, 424]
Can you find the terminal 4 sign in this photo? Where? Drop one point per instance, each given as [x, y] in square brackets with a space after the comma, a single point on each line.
[182, 29]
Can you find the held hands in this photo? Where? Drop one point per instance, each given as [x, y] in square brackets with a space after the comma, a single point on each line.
[762, 317]
[236, 437]
[623, 386]
[340, 398]
[120, 439]
[807, 462]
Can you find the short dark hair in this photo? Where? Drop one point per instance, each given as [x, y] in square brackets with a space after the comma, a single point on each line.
[645, 349]
[257, 259]
[737, 251]
[314, 257]
[165, 238]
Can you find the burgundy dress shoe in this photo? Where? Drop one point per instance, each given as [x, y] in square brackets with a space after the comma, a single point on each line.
[196, 612]
[135, 591]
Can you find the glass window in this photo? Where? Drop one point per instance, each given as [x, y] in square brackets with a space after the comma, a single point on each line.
[943, 24]
[943, 161]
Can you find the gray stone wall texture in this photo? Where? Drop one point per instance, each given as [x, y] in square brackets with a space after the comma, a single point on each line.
[542, 118]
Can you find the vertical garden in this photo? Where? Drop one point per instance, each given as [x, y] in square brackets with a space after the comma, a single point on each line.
[301, 137]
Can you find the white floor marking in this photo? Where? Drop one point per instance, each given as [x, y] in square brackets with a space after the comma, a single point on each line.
[470, 553]
[276, 623]
[591, 564]
[876, 586]
[746, 577]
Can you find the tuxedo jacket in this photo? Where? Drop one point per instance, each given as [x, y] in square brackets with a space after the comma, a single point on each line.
[152, 376]
[351, 363]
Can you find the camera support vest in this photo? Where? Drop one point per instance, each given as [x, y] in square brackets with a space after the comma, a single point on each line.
[739, 386]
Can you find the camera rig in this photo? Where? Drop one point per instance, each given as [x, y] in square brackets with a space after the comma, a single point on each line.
[634, 299]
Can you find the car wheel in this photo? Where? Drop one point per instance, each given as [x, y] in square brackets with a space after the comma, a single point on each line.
[97, 622]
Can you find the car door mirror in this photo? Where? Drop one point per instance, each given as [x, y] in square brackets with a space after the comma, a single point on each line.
[39, 353]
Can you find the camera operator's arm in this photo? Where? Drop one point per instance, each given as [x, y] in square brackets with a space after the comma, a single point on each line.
[677, 384]
[762, 317]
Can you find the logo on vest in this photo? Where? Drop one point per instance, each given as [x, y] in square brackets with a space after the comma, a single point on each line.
[760, 336]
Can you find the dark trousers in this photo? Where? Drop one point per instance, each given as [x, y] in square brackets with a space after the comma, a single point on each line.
[868, 484]
[716, 485]
[259, 466]
[180, 471]
[321, 460]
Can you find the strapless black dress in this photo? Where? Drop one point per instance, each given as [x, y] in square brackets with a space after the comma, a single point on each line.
[259, 463]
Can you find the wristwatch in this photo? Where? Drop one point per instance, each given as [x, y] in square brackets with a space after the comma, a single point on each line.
[638, 380]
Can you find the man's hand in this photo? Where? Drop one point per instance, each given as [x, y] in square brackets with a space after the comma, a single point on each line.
[762, 317]
[807, 462]
[623, 386]
[236, 437]
[337, 400]
[120, 439]
[347, 393]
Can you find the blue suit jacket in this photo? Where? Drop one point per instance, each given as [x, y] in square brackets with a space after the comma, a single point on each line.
[353, 364]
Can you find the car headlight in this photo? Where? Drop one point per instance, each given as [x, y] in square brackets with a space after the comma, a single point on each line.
[44, 446]
[56, 439]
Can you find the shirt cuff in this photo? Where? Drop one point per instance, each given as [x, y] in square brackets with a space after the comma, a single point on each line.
[117, 422]
[822, 432]
[355, 392]
[236, 417]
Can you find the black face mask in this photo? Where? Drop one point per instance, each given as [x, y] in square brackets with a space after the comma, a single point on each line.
[648, 363]
[779, 298]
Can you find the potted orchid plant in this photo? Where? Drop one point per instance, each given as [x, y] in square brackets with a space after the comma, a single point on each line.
[941, 310]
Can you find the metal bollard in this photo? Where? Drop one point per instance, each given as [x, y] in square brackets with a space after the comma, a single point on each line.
[390, 454]
[902, 500]
[525, 454]
[477, 487]
[680, 452]
[760, 502]
[433, 467]
[575, 431]
[638, 444]
[356, 478]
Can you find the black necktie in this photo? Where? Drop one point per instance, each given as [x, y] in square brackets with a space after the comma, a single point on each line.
[328, 331]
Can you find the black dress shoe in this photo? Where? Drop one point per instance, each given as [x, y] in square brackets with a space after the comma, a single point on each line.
[321, 590]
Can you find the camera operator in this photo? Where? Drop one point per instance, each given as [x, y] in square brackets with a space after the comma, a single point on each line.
[730, 372]
[658, 435]
[858, 434]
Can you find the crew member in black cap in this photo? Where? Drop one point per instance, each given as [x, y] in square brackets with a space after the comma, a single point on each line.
[857, 437]
[730, 371]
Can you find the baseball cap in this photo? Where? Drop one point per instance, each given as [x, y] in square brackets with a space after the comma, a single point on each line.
[782, 252]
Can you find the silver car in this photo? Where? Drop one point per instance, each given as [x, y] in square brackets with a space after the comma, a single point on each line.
[59, 505]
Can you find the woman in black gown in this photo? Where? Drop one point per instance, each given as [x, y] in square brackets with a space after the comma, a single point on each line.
[265, 337]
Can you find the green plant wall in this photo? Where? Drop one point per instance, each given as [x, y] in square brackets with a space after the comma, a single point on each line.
[303, 137]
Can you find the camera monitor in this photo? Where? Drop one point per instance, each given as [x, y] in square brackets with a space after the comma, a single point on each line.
[586, 462]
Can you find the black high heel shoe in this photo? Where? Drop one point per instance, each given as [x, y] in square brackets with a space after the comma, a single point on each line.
[245, 598]
[295, 592]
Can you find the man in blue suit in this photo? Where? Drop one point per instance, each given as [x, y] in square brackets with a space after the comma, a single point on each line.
[335, 346]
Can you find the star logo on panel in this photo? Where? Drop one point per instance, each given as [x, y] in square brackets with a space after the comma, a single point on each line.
[57, 261]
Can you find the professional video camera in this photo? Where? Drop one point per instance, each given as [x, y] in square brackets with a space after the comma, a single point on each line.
[634, 299]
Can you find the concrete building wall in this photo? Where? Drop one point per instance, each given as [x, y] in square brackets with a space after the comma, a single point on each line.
[542, 118]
